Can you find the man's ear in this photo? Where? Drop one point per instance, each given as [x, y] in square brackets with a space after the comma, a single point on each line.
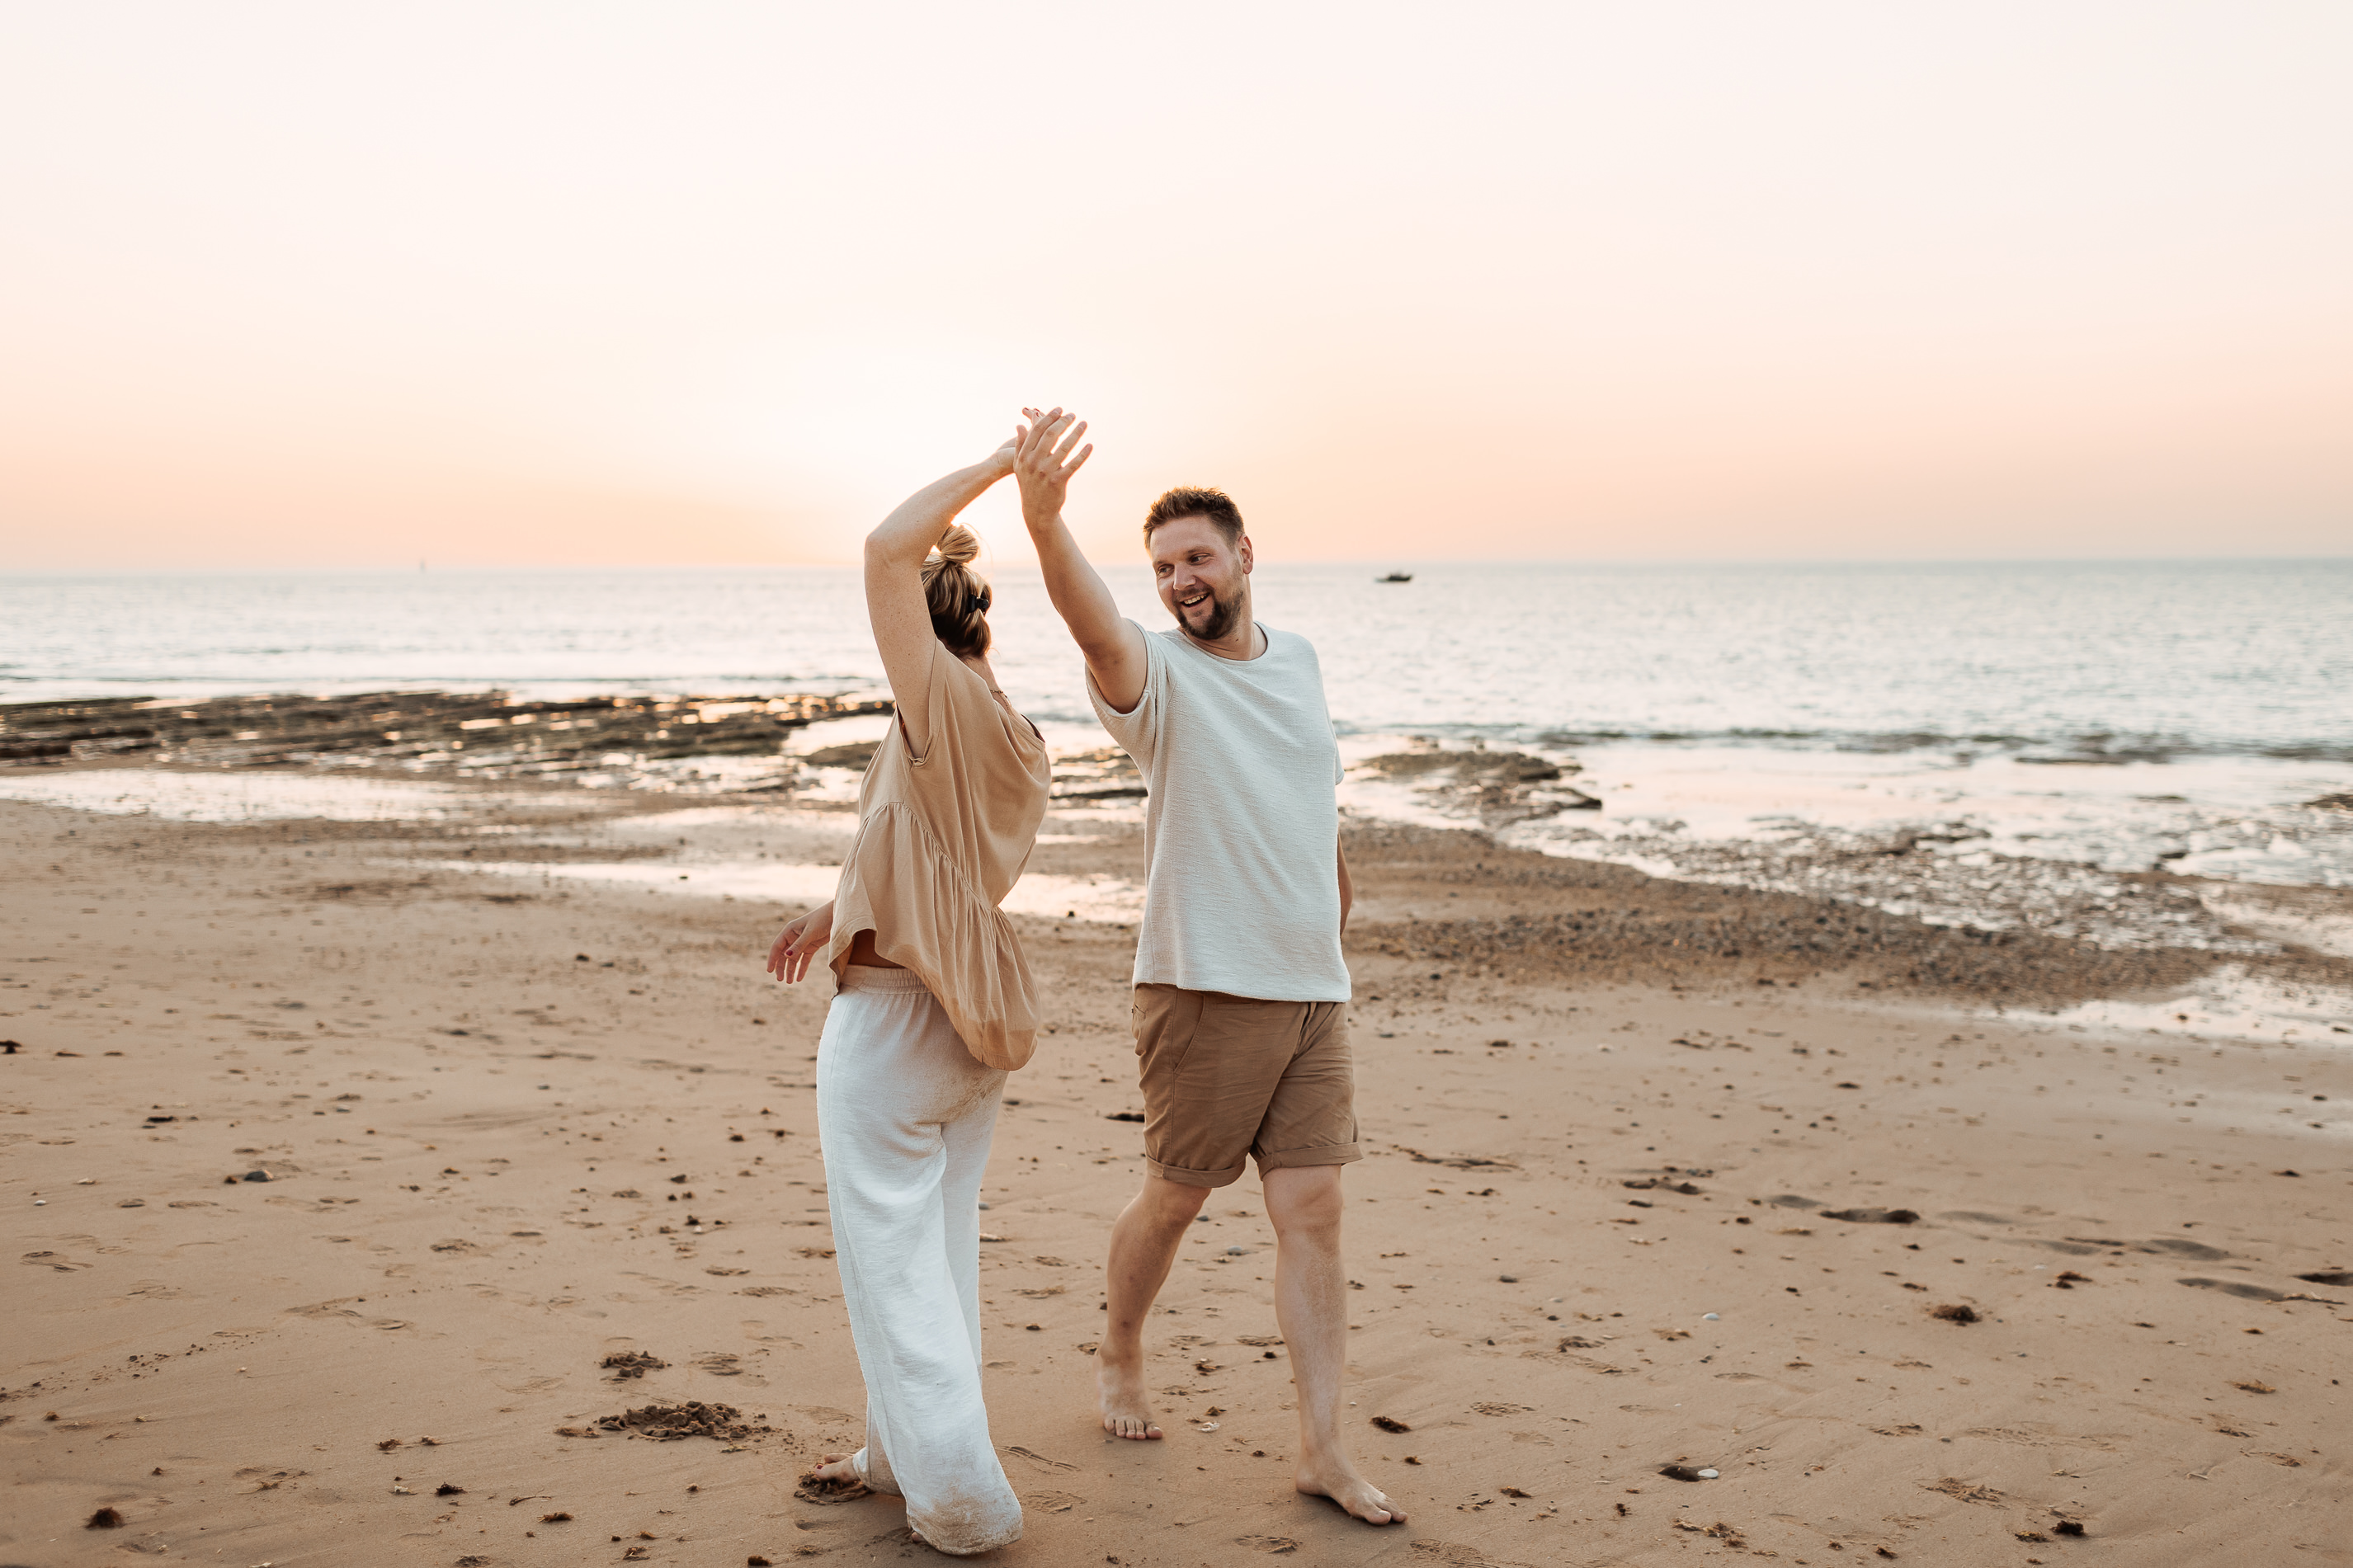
[1244, 547]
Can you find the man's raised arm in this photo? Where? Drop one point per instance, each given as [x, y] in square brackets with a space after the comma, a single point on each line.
[1113, 644]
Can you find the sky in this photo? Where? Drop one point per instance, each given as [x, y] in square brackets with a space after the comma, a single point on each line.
[306, 285]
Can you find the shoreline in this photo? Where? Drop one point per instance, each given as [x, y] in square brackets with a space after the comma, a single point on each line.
[1906, 889]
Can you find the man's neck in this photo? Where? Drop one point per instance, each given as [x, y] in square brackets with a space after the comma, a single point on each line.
[1240, 644]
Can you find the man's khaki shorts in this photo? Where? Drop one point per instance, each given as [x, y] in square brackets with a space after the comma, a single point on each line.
[1229, 1075]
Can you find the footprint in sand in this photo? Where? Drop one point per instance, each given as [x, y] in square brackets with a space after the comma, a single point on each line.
[2238, 1288]
[1455, 1556]
[1038, 1461]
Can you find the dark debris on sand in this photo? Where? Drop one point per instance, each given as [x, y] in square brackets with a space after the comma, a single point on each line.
[668, 1423]
[632, 1363]
[817, 1488]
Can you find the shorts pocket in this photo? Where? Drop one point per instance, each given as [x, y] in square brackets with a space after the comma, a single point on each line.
[1165, 1021]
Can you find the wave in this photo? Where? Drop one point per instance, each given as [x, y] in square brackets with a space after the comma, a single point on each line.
[2088, 748]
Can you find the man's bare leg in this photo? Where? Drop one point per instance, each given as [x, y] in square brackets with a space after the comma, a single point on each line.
[1144, 1243]
[1311, 1303]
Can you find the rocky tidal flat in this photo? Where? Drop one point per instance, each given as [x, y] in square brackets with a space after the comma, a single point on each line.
[477, 736]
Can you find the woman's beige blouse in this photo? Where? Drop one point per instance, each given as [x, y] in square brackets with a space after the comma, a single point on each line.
[942, 838]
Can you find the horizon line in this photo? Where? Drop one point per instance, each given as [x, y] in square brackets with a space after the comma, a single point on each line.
[1024, 566]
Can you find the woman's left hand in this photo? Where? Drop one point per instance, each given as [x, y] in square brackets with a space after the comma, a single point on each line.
[802, 941]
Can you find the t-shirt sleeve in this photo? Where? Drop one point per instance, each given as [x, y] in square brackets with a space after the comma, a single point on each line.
[1339, 771]
[1138, 728]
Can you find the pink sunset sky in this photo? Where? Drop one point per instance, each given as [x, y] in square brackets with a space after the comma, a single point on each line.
[334, 285]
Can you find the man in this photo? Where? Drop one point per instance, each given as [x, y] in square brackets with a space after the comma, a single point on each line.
[1241, 990]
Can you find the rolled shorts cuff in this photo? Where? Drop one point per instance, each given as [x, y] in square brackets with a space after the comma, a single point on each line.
[1322, 1154]
[1186, 1178]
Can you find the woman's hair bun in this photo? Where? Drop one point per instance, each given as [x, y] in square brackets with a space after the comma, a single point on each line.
[960, 545]
[956, 595]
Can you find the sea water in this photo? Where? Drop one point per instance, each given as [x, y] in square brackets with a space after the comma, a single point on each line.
[2102, 661]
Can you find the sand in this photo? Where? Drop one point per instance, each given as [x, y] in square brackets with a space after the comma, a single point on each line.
[1617, 1214]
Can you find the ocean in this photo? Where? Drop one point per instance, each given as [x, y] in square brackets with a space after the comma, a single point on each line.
[2155, 660]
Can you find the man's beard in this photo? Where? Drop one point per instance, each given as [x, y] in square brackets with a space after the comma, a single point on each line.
[1223, 613]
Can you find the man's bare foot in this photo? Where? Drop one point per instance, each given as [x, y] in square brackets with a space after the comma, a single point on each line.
[1338, 1480]
[1119, 1396]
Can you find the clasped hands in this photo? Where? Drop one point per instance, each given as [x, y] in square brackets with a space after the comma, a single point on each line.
[1042, 456]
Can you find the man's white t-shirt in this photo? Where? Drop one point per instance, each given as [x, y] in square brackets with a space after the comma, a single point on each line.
[1242, 831]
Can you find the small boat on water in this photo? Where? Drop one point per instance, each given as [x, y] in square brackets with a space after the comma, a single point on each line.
[1396, 577]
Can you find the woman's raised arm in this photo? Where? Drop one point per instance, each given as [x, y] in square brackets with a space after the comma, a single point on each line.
[895, 588]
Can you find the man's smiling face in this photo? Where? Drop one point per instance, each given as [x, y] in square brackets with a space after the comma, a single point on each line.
[1203, 580]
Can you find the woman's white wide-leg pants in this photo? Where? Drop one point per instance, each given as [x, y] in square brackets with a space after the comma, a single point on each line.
[905, 1115]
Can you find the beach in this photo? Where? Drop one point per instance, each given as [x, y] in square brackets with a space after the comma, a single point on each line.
[1817, 540]
[1874, 1220]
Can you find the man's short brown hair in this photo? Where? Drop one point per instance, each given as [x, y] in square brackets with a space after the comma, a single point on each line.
[1193, 501]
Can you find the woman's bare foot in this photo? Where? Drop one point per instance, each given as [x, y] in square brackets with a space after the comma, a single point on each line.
[1119, 1396]
[836, 1473]
[1338, 1480]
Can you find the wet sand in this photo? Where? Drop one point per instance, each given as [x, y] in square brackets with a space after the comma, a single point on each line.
[513, 1127]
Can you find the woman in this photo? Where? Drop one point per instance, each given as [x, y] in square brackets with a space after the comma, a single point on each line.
[934, 1005]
